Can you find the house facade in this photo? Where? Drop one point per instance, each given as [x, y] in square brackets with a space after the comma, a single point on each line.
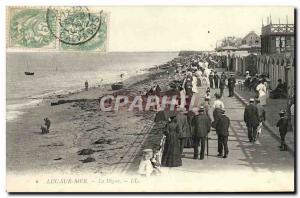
[251, 39]
[277, 57]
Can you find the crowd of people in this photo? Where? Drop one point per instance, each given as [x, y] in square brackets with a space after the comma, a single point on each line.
[259, 84]
[188, 128]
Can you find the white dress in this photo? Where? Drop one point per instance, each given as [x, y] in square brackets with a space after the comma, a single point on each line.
[145, 168]
[262, 93]
[218, 104]
[194, 84]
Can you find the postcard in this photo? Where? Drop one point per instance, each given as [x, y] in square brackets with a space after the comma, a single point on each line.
[150, 99]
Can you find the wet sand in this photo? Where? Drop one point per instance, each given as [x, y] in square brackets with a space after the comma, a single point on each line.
[82, 138]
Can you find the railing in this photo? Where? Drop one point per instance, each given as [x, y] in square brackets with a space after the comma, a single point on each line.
[278, 28]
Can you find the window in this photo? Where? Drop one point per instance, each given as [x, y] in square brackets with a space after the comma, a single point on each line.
[280, 44]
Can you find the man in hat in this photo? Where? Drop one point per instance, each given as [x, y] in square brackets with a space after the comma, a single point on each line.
[254, 82]
[201, 124]
[251, 118]
[283, 128]
[183, 124]
[211, 79]
[222, 126]
[231, 85]
[216, 79]
[188, 84]
[222, 83]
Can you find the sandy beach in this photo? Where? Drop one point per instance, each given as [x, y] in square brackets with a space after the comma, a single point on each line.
[83, 138]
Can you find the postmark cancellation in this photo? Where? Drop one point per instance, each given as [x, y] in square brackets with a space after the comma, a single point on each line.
[76, 28]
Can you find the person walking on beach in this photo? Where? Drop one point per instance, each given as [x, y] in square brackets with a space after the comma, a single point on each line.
[283, 128]
[171, 155]
[48, 124]
[86, 84]
[201, 124]
[222, 126]
[251, 119]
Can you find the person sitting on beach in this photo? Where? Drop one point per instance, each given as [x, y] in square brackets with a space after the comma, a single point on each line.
[44, 130]
[47, 123]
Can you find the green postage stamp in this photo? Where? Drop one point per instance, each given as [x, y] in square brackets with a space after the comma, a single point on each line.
[76, 28]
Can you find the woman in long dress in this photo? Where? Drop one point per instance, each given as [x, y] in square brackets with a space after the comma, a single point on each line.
[262, 92]
[172, 155]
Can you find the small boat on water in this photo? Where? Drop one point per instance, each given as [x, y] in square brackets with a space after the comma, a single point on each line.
[117, 86]
[29, 73]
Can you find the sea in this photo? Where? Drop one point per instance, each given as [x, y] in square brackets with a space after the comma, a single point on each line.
[60, 73]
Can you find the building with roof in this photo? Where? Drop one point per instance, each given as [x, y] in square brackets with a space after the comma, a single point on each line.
[277, 57]
[251, 39]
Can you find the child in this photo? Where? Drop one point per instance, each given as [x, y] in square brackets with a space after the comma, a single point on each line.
[155, 161]
[283, 127]
[145, 167]
[44, 130]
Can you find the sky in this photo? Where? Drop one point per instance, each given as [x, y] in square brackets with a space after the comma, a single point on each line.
[185, 28]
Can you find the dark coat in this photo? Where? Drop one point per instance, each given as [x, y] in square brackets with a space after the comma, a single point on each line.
[251, 116]
[171, 155]
[183, 125]
[216, 77]
[222, 83]
[231, 82]
[222, 125]
[216, 113]
[201, 124]
[283, 125]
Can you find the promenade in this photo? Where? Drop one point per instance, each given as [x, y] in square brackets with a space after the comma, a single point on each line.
[250, 166]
